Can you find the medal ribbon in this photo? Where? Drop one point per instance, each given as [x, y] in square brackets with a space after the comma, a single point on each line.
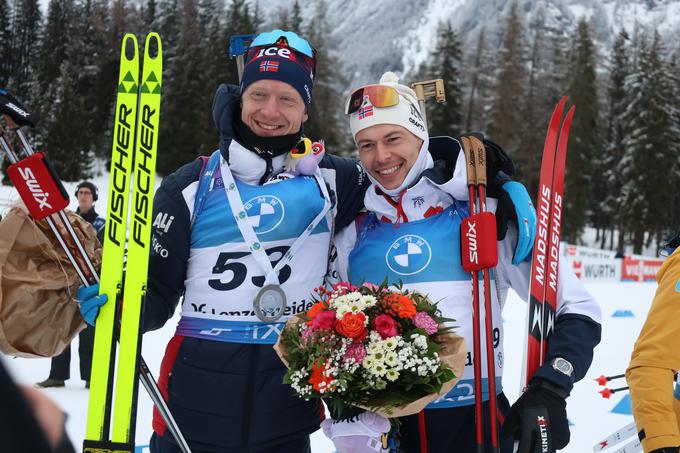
[249, 235]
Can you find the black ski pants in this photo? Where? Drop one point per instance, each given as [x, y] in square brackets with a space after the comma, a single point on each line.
[61, 364]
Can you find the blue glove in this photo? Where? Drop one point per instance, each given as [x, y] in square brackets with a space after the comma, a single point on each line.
[89, 302]
[517, 207]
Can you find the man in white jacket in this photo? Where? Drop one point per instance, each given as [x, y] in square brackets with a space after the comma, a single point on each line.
[411, 235]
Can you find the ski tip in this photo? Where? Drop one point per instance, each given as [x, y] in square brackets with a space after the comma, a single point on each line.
[129, 48]
[153, 48]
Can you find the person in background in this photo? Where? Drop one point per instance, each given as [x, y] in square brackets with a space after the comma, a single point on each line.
[655, 362]
[60, 369]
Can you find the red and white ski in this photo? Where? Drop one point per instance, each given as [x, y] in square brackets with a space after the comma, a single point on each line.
[545, 258]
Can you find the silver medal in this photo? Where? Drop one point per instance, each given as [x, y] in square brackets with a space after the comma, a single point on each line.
[270, 303]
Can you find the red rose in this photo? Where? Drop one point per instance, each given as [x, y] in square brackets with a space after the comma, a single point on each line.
[352, 326]
[385, 326]
[324, 320]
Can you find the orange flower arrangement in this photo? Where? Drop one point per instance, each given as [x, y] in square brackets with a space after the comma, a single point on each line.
[318, 379]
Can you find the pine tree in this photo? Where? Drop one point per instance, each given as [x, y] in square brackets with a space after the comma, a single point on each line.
[446, 60]
[650, 153]
[535, 106]
[6, 57]
[480, 63]
[584, 142]
[182, 106]
[674, 77]
[295, 19]
[326, 120]
[505, 120]
[27, 26]
[610, 200]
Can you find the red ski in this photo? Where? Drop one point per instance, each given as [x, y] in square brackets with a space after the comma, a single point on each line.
[545, 258]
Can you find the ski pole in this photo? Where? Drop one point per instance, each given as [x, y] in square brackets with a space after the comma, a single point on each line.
[238, 45]
[606, 393]
[602, 380]
[477, 228]
[16, 117]
[428, 88]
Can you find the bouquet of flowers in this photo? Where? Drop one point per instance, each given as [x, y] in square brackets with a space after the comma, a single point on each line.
[385, 351]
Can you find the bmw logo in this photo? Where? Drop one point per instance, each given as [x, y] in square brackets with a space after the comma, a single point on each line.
[408, 255]
[265, 213]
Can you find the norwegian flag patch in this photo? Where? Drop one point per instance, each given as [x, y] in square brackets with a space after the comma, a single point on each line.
[269, 66]
[365, 112]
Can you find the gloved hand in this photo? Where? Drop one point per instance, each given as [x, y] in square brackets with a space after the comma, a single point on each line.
[359, 434]
[538, 419]
[514, 205]
[666, 450]
[89, 302]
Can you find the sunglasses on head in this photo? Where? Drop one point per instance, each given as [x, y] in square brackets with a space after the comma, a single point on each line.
[287, 38]
[379, 95]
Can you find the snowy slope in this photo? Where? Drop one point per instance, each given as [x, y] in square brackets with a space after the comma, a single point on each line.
[590, 414]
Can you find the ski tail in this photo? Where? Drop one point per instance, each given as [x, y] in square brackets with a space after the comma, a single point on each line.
[543, 285]
[620, 435]
[103, 363]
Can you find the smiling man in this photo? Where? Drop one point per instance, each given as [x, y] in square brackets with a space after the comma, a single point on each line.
[411, 237]
[245, 239]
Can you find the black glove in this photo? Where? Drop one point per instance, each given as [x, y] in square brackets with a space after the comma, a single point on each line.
[538, 419]
[666, 450]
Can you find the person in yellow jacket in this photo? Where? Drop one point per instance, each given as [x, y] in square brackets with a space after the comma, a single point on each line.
[655, 362]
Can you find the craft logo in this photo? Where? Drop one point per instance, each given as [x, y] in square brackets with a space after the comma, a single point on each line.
[265, 213]
[408, 255]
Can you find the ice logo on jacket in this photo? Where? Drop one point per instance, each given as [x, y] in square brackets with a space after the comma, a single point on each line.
[265, 213]
[408, 255]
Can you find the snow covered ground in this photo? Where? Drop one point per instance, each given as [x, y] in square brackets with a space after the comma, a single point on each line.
[590, 414]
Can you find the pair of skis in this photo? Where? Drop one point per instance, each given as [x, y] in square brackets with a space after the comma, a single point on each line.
[135, 137]
[133, 161]
[545, 257]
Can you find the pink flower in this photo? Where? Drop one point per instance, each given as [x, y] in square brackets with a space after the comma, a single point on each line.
[385, 326]
[355, 351]
[324, 320]
[424, 321]
[306, 335]
[371, 286]
[343, 288]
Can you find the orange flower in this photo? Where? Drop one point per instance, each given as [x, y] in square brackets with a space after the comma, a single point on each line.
[403, 306]
[315, 310]
[318, 376]
[352, 326]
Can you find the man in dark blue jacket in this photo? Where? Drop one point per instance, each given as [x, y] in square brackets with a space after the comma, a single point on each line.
[242, 240]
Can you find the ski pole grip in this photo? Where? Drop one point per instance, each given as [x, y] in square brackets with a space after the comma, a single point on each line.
[479, 242]
[480, 159]
[38, 185]
[469, 161]
[15, 114]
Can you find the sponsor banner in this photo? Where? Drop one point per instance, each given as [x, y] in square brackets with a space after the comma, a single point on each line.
[640, 269]
[591, 264]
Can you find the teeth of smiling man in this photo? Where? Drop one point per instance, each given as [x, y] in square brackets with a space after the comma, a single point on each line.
[390, 170]
[267, 126]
